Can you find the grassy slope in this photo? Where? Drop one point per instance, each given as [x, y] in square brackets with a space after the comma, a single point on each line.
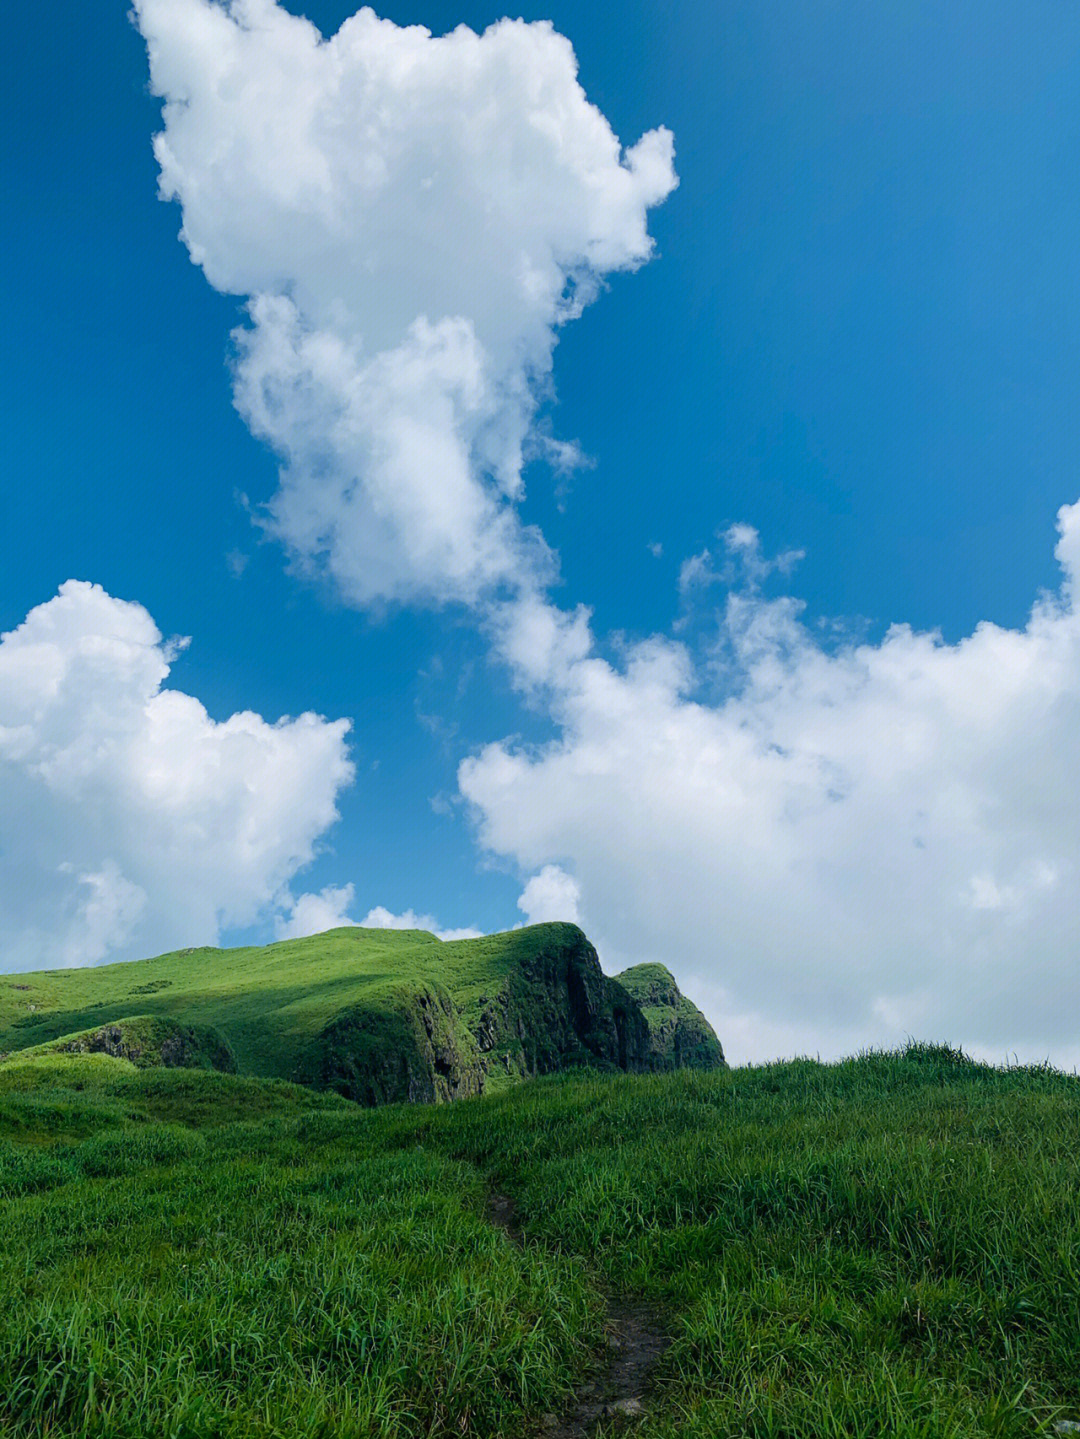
[886, 1246]
[267, 1002]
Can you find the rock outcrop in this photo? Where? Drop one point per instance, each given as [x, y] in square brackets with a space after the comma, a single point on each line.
[410, 1045]
[548, 1007]
[379, 1016]
[557, 1008]
[150, 1041]
[680, 1037]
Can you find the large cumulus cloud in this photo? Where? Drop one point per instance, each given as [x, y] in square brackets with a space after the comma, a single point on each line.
[832, 845]
[412, 219]
[849, 845]
[130, 821]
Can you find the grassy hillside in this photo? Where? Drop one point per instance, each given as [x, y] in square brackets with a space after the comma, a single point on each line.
[268, 1002]
[888, 1246]
[378, 1015]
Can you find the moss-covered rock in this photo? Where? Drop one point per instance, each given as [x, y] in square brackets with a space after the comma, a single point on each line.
[556, 1008]
[409, 1044]
[149, 1041]
[680, 1037]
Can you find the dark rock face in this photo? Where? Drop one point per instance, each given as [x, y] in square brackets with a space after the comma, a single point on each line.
[680, 1037]
[558, 1008]
[413, 1048]
[551, 1008]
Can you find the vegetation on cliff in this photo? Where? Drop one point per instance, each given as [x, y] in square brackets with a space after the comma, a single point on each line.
[376, 1015]
[148, 1041]
[680, 1037]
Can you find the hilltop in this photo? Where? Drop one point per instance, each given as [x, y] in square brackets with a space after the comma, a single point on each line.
[375, 1015]
[680, 1037]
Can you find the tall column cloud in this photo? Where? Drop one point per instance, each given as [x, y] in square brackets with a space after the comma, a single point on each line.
[131, 822]
[411, 218]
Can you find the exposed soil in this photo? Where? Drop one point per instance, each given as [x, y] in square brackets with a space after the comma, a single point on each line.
[634, 1339]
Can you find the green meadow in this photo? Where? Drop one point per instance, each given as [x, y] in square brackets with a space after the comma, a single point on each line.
[267, 1001]
[886, 1246]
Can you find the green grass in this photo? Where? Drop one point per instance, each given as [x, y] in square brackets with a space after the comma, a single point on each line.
[888, 1246]
[220, 1256]
[268, 1001]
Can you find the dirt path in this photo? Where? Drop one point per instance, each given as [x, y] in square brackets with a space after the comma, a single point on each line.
[635, 1339]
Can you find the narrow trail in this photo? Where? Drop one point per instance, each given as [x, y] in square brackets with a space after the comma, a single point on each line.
[635, 1339]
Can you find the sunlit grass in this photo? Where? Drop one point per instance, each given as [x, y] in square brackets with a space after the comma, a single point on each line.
[890, 1246]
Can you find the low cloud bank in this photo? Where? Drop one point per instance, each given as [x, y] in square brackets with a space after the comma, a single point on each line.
[329, 909]
[851, 845]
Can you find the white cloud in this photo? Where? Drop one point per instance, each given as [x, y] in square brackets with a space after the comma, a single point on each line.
[130, 821]
[850, 845]
[696, 572]
[551, 895]
[329, 909]
[380, 918]
[853, 841]
[413, 219]
[315, 913]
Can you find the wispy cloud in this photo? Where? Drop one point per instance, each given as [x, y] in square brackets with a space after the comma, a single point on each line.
[740, 559]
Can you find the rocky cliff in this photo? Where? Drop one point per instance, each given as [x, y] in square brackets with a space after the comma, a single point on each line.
[150, 1042]
[551, 1007]
[680, 1037]
[377, 1015]
[557, 1008]
[412, 1047]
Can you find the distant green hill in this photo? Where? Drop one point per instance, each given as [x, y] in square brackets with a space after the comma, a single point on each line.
[376, 1015]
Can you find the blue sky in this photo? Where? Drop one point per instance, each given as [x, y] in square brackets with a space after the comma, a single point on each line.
[858, 335]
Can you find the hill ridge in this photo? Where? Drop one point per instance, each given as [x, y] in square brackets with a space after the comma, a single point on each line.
[376, 1015]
